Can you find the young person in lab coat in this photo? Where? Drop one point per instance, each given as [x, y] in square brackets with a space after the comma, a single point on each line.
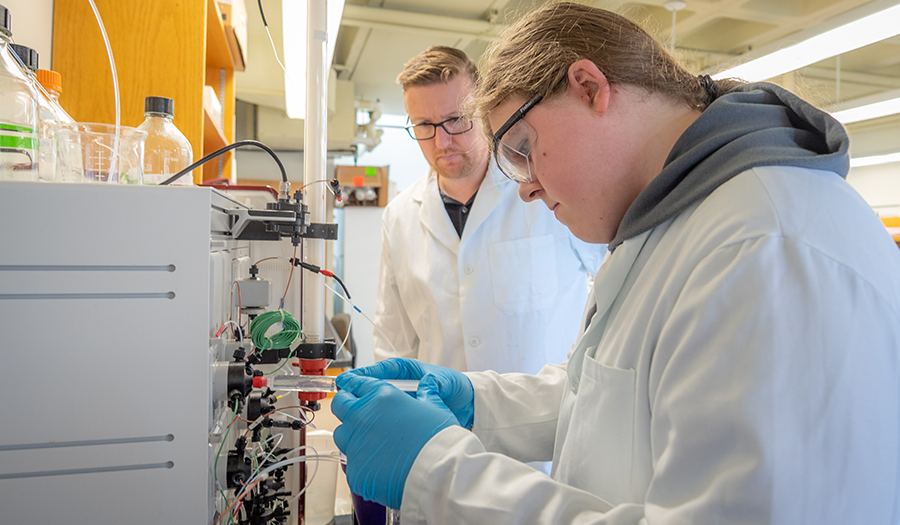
[739, 360]
[472, 278]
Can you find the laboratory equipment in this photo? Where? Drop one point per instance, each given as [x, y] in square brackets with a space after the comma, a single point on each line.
[92, 152]
[166, 151]
[310, 383]
[137, 298]
[146, 299]
[152, 300]
[18, 113]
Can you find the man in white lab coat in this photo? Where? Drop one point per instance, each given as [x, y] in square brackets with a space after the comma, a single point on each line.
[472, 278]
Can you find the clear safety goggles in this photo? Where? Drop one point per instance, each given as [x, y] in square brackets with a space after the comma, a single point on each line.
[513, 143]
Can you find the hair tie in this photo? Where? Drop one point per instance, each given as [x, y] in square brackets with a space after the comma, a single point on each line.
[709, 85]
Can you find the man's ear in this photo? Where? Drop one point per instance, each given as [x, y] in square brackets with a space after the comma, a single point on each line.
[589, 84]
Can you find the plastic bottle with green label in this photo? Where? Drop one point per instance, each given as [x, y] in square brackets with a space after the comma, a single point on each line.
[18, 113]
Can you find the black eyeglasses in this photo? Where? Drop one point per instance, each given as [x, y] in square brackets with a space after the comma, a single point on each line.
[513, 154]
[427, 130]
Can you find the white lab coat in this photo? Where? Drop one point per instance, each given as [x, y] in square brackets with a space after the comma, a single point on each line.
[743, 366]
[501, 298]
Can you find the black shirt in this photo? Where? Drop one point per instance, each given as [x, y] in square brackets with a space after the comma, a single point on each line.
[457, 211]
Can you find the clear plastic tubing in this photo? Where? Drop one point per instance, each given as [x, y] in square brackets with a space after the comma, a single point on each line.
[303, 383]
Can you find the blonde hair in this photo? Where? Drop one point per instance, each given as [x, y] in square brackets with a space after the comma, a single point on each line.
[437, 65]
[533, 56]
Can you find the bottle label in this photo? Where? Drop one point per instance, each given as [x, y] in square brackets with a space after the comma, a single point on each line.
[19, 138]
[16, 142]
[13, 127]
[18, 152]
[154, 178]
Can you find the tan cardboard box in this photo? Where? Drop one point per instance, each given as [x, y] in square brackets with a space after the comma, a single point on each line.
[364, 176]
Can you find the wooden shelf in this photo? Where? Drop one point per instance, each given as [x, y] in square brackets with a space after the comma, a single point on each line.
[218, 54]
[213, 138]
[184, 49]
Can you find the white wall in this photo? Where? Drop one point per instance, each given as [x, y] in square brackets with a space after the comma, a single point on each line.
[362, 259]
[397, 150]
[254, 163]
[32, 26]
[879, 186]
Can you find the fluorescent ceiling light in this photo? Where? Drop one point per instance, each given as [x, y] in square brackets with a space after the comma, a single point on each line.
[860, 32]
[875, 106]
[874, 160]
[293, 20]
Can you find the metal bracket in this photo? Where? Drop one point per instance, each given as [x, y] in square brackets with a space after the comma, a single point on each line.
[329, 232]
[262, 223]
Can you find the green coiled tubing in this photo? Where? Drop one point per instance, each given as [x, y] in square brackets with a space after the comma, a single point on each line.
[282, 339]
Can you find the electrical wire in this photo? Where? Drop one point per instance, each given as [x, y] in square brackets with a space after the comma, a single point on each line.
[279, 436]
[348, 301]
[281, 464]
[243, 493]
[259, 420]
[226, 149]
[340, 282]
[267, 454]
[314, 182]
[282, 457]
[333, 185]
[346, 337]
[240, 333]
[266, 25]
[315, 269]
[318, 458]
[290, 276]
[283, 338]
[270, 259]
[231, 304]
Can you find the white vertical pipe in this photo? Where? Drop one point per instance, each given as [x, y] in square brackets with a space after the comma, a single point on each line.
[315, 144]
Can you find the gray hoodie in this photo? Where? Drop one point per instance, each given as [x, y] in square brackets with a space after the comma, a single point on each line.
[757, 124]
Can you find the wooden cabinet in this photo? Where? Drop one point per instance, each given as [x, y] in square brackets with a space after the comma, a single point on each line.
[168, 48]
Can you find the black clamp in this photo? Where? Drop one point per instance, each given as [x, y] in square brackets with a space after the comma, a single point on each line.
[324, 350]
[329, 232]
[273, 355]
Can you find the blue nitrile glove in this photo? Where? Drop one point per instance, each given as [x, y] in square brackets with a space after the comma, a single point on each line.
[383, 431]
[453, 387]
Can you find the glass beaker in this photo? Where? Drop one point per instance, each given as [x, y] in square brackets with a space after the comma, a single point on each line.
[91, 152]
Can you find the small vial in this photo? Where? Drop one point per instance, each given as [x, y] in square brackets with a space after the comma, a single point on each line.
[307, 383]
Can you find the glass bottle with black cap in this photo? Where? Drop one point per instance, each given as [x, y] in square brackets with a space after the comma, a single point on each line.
[166, 151]
[18, 113]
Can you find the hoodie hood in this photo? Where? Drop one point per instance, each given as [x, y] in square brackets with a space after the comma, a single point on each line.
[755, 125]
